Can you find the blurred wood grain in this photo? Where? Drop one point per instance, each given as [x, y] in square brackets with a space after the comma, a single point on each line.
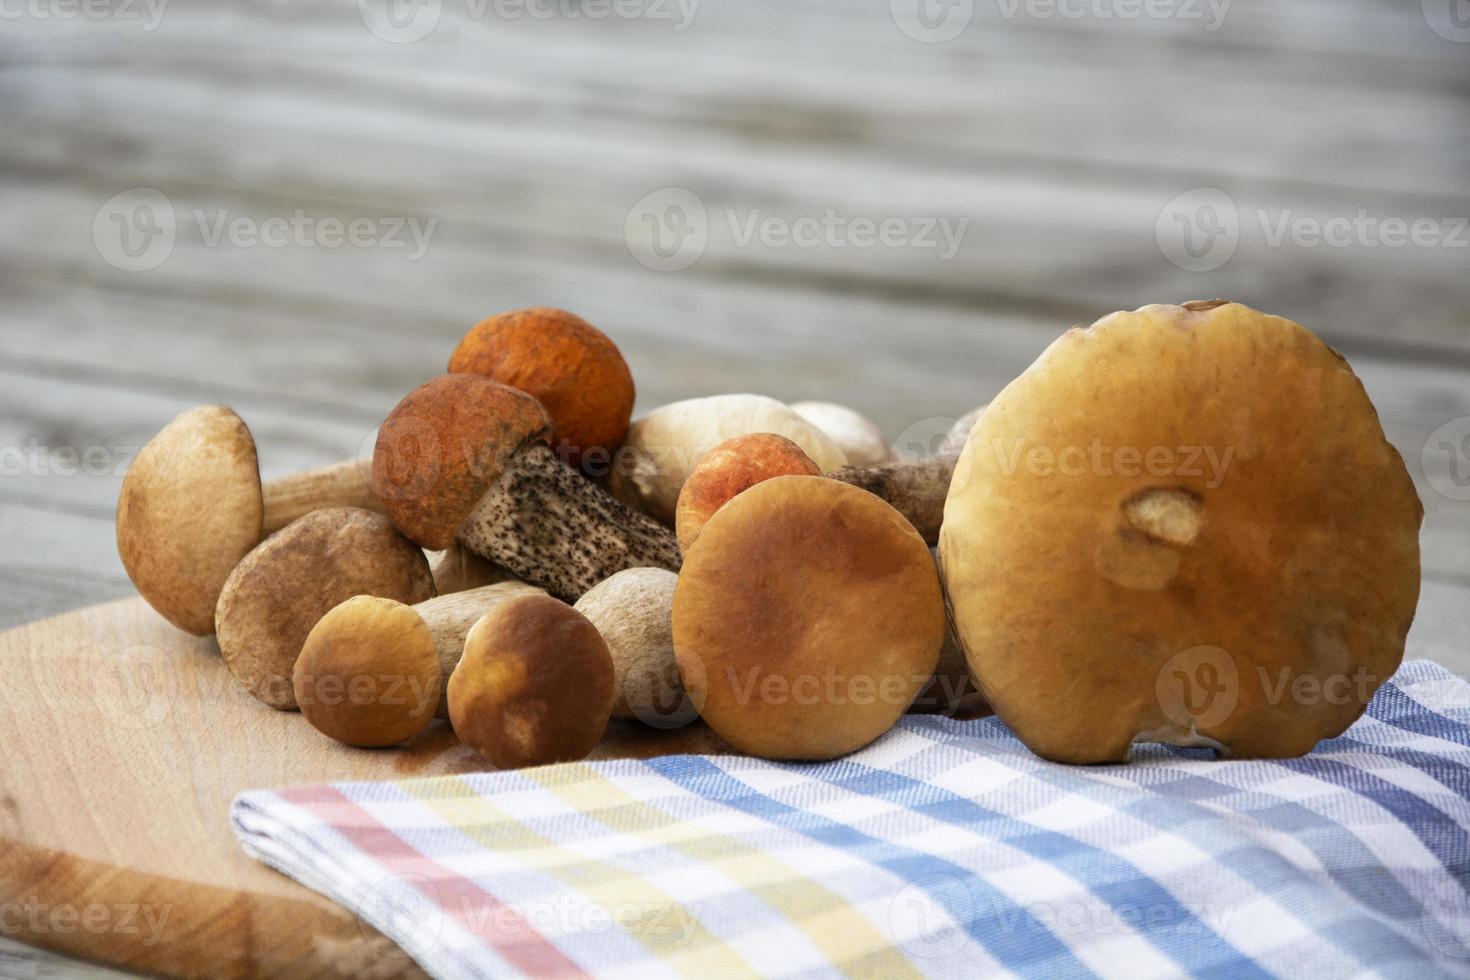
[528, 141]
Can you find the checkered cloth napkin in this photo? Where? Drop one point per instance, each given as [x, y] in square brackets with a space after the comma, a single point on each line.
[944, 849]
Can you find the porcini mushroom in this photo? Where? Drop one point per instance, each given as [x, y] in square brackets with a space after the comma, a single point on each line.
[633, 610]
[862, 442]
[664, 446]
[733, 466]
[463, 458]
[192, 505]
[567, 364]
[279, 591]
[1171, 525]
[372, 669]
[807, 617]
[535, 685]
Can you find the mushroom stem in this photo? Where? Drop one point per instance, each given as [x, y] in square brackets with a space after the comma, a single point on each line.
[345, 484]
[554, 528]
[449, 618]
[915, 488]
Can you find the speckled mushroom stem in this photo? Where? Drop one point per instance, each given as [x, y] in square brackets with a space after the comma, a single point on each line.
[346, 484]
[916, 488]
[555, 529]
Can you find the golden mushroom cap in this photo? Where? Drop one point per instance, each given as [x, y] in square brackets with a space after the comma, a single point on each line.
[1183, 524]
[806, 618]
[535, 685]
[368, 674]
[189, 510]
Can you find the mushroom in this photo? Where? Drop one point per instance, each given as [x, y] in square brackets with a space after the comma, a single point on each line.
[372, 669]
[568, 365]
[535, 685]
[633, 611]
[954, 440]
[278, 591]
[192, 504]
[807, 617]
[458, 569]
[1183, 525]
[728, 469]
[463, 458]
[859, 439]
[664, 446]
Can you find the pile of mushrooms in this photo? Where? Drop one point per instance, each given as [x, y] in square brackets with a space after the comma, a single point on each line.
[1136, 543]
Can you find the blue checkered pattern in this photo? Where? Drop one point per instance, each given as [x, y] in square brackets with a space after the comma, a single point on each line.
[944, 849]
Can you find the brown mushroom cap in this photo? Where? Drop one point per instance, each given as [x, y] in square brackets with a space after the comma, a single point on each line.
[189, 510]
[535, 685]
[569, 365]
[281, 589]
[1165, 517]
[368, 674]
[444, 445]
[806, 618]
[731, 468]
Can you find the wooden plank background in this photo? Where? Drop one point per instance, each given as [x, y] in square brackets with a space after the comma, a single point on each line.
[534, 140]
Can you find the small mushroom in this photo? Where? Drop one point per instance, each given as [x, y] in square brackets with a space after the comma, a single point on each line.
[860, 440]
[535, 685]
[664, 446]
[368, 674]
[1183, 524]
[192, 505]
[733, 466]
[633, 610]
[372, 669]
[279, 591]
[463, 458]
[807, 617]
[568, 365]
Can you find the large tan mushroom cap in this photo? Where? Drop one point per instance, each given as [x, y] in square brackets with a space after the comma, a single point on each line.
[806, 618]
[189, 510]
[535, 685]
[280, 590]
[368, 674]
[1183, 524]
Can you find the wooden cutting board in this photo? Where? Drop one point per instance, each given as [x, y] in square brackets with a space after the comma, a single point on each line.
[123, 743]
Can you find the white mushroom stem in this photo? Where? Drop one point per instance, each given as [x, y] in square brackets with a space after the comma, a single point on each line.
[556, 529]
[346, 484]
[450, 617]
